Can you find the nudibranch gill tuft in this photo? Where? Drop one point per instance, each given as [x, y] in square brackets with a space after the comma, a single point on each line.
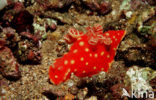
[89, 54]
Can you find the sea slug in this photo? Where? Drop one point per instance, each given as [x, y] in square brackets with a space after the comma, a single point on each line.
[89, 54]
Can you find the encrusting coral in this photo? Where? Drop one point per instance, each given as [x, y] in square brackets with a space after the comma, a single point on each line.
[90, 53]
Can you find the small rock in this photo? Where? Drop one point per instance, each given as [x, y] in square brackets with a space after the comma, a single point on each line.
[92, 98]
[82, 94]
[69, 97]
[22, 21]
[18, 6]
[73, 90]
[30, 36]
[102, 7]
[9, 67]
[10, 37]
[55, 4]
[151, 2]
[139, 78]
[133, 55]
[31, 55]
[2, 42]
[153, 83]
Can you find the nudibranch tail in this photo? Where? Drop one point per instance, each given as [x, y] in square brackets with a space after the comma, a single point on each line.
[59, 72]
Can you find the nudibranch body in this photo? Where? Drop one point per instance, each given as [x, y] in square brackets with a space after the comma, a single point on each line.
[89, 54]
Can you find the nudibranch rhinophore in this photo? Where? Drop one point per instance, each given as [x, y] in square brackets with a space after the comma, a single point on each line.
[89, 54]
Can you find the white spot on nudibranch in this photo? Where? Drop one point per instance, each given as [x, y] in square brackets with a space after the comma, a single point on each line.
[75, 51]
[86, 49]
[75, 70]
[90, 55]
[56, 76]
[65, 62]
[94, 67]
[81, 43]
[107, 34]
[102, 69]
[81, 58]
[59, 68]
[113, 37]
[102, 53]
[79, 39]
[96, 55]
[84, 72]
[86, 63]
[72, 61]
[108, 56]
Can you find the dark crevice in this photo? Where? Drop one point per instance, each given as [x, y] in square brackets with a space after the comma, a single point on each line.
[23, 21]
[50, 95]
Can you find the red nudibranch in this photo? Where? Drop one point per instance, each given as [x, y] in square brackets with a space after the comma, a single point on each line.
[89, 54]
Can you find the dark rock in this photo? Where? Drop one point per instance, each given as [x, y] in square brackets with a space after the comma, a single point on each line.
[10, 32]
[10, 37]
[136, 4]
[102, 7]
[2, 43]
[82, 94]
[30, 36]
[3, 83]
[61, 49]
[9, 67]
[50, 95]
[25, 46]
[52, 26]
[55, 4]
[22, 21]
[31, 55]
[28, 2]
[73, 89]
[151, 2]
[117, 90]
[18, 6]
[152, 43]
[27, 52]
[57, 91]
[133, 55]
[142, 56]
[153, 83]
